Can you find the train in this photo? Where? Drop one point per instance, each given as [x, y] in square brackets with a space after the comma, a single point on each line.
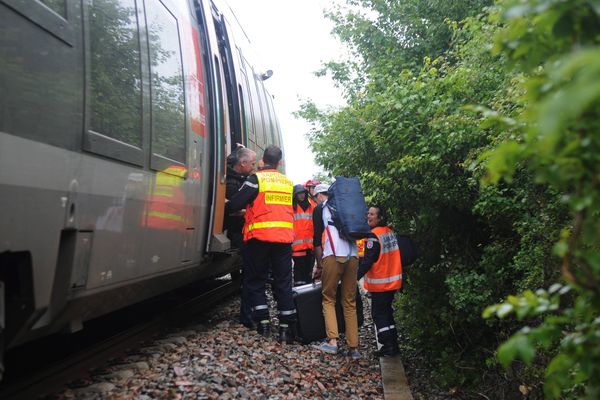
[116, 119]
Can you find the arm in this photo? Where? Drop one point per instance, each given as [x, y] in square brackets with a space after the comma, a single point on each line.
[372, 250]
[246, 195]
[318, 228]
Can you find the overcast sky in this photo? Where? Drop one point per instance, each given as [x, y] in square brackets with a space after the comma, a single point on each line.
[292, 38]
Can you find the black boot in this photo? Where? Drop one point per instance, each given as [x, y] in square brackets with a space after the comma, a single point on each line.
[389, 341]
[286, 334]
[264, 328]
[387, 351]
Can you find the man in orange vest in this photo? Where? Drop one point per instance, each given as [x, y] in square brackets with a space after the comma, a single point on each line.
[302, 246]
[382, 268]
[268, 235]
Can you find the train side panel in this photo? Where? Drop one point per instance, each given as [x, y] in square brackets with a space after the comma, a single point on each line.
[116, 117]
[41, 81]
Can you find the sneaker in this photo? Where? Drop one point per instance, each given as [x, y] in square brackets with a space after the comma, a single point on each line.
[326, 347]
[355, 354]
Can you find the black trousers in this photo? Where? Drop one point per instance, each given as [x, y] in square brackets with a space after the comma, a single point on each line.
[245, 308]
[303, 266]
[262, 256]
[383, 315]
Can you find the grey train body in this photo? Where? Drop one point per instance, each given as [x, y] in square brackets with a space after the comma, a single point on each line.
[116, 117]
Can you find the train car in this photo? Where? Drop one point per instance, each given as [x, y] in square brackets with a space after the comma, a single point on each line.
[116, 117]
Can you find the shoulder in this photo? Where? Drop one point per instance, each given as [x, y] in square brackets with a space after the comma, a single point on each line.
[372, 241]
[318, 211]
[251, 181]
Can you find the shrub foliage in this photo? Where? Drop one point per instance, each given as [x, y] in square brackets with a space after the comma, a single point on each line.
[478, 130]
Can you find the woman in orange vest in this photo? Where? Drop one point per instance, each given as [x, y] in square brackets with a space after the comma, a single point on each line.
[302, 246]
[382, 268]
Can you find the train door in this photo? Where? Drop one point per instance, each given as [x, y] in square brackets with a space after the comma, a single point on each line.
[218, 134]
[236, 134]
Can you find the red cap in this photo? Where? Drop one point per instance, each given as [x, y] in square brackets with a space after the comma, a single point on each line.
[312, 182]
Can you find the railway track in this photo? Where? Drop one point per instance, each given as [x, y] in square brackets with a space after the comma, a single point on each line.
[44, 368]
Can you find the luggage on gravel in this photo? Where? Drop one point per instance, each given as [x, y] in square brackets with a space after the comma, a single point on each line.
[309, 308]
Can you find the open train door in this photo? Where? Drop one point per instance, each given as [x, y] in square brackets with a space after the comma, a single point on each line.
[224, 113]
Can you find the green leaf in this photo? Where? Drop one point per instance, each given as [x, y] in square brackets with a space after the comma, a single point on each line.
[517, 346]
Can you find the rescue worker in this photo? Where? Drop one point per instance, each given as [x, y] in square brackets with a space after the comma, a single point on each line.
[268, 235]
[242, 163]
[310, 187]
[337, 259]
[302, 246]
[382, 268]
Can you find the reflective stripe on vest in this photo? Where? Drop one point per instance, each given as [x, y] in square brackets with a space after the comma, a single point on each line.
[270, 224]
[270, 217]
[384, 280]
[386, 273]
[299, 216]
[295, 242]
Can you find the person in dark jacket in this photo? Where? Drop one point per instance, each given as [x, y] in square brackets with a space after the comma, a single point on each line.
[242, 163]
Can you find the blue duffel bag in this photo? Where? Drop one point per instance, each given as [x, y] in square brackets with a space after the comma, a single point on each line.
[348, 209]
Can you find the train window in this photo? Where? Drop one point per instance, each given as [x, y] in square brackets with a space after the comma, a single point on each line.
[58, 6]
[257, 117]
[49, 14]
[168, 100]
[264, 132]
[115, 70]
[249, 123]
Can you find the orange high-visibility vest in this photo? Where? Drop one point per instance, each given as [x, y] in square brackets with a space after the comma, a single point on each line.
[386, 273]
[303, 230]
[360, 247]
[270, 217]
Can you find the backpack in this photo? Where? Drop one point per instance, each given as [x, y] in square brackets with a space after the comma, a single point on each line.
[409, 252]
[348, 208]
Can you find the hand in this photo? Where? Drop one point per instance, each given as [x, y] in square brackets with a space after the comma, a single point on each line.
[317, 272]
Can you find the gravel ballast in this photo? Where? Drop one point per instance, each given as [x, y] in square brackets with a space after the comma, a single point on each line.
[216, 357]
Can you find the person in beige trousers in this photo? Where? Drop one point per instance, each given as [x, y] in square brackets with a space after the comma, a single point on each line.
[337, 259]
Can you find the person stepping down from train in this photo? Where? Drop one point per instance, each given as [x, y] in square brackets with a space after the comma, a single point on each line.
[337, 259]
[302, 246]
[382, 268]
[240, 163]
[268, 237]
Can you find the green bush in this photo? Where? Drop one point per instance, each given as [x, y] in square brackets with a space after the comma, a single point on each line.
[505, 95]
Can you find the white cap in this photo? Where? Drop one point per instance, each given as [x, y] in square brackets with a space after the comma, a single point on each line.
[321, 188]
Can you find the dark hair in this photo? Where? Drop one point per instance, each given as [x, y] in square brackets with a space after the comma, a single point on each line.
[381, 214]
[272, 156]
